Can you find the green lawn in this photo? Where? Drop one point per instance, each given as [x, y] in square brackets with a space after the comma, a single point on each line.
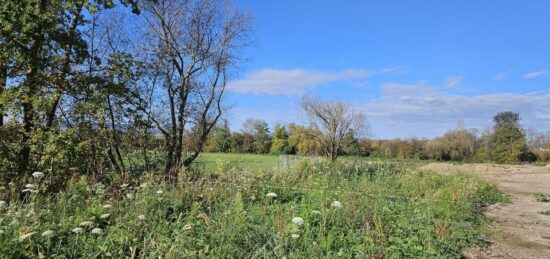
[247, 162]
[210, 162]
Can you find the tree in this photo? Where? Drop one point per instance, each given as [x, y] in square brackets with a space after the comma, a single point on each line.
[220, 139]
[259, 131]
[507, 117]
[508, 139]
[280, 141]
[301, 140]
[191, 49]
[43, 50]
[333, 120]
[351, 144]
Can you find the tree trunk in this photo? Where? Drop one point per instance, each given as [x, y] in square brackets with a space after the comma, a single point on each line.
[116, 142]
[3, 87]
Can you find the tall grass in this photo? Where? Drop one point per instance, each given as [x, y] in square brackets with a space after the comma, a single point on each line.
[386, 210]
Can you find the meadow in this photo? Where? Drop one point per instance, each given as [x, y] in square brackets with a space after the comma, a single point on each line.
[312, 209]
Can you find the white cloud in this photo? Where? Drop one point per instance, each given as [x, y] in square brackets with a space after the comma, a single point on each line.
[453, 81]
[420, 103]
[535, 74]
[291, 81]
[394, 70]
[499, 76]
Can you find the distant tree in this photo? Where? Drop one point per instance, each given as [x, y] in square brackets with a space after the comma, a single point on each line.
[333, 120]
[351, 144]
[455, 145]
[259, 130]
[220, 139]
[507, 117]
[236, 143]
[302, 140]
[508, 139]
[280, 141]
[247, 143]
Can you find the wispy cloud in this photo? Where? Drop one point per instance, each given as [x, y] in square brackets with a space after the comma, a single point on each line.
[394, 70]
[423, 103]
[291, 81]
[535, 74]
[499, 76]
[453, 81]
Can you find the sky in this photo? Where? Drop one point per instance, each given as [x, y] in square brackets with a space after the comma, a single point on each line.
[413, 67]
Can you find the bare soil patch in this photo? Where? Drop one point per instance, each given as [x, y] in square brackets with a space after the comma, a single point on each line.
[519, 229]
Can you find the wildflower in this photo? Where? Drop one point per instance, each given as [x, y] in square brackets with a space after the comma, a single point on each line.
[295, 236]
[271, 195]
[48, 233]
[124, 185]
[316, 212]
[97, 231]
[107, 206]
[25, 236]
[29, 186]
[86, 224]
[3, 204]
[253, 197]
[143, 185]
[141, 217]
[37, 174]
[130, 196]
[336, 204]
[298, 221]
[160, 192]
[105, 216]
[77, 230]
[1, 232]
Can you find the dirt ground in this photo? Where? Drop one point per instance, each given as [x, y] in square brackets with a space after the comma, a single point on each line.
[518, 230]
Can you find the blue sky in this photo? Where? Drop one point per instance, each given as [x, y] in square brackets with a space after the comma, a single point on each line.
[414, 67]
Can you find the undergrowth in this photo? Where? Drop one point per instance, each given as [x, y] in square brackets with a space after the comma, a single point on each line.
[314, 210]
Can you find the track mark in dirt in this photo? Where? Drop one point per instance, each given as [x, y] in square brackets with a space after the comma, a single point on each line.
[519, 229]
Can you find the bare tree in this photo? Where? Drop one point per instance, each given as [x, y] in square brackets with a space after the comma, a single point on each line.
[192, 47]
[333, 120]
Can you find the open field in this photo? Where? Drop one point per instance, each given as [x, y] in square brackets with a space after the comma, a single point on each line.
[258, 163]
[311, 210]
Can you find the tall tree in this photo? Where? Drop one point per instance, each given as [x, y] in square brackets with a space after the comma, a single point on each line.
[508, 139]
[333, 119]
[42, 50]
[191, 50]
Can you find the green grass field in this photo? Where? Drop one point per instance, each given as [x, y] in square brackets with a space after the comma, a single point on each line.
[259, 163]
[309, 209]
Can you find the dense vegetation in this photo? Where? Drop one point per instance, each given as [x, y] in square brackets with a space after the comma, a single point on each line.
[313, 210]
[506, 142]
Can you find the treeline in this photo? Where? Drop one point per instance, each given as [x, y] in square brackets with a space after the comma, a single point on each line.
[505, 142]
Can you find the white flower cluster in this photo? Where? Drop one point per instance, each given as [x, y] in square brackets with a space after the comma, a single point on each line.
[336, 204]
[271, 195]
[38, 175]
[298, 221]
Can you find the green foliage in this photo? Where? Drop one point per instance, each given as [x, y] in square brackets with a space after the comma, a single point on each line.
[542, 197]
[508, 143]
[387, 210]
[220, 139]
[279, 143]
